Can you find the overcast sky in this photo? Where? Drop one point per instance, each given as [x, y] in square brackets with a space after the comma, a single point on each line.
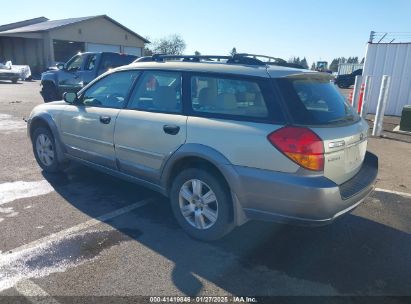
[317, 29]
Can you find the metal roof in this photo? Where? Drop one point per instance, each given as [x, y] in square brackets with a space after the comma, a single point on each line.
[14, 25]
[46, 25]
[53, 24]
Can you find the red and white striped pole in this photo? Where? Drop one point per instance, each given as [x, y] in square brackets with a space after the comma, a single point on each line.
[360, 98]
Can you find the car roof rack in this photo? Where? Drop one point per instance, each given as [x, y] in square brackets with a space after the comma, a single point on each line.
[240, 58]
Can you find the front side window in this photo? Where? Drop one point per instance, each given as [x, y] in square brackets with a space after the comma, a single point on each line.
[75, 63]
[110, 91]
[227, 96]
[158, 91]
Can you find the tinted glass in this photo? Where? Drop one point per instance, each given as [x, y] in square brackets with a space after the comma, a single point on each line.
[91, 62]
[315, 101]
[112, 60]
[227, 96]
[357, 72]
[158, 91]
[110, 91]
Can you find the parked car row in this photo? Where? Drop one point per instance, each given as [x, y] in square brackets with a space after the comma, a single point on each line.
[227, 140]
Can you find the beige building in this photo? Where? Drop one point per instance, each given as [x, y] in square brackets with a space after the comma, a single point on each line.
[40, 42]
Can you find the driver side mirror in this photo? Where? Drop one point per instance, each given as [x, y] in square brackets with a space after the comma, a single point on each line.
[60, 66]
[70, 97]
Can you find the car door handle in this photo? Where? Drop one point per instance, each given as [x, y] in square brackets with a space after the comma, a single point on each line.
[105, 119]
[171, 129]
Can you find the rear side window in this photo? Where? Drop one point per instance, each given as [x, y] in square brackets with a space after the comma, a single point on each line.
[313, 100]
[91, 62]
[226, 96]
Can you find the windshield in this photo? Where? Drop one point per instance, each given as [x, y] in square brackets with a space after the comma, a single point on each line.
[75, 63]
[313, 100]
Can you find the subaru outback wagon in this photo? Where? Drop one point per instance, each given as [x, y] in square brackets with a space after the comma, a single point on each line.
[227, 139]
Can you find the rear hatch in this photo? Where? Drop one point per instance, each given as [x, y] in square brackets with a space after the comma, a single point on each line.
[314, 102]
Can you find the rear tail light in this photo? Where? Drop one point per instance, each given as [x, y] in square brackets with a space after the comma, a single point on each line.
[301, 145]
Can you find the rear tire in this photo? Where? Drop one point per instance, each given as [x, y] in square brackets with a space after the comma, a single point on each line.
[49, 92]
[202, 204]
[44, 149]
[14, 80]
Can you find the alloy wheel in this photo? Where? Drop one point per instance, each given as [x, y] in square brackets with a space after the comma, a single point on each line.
[198, 204]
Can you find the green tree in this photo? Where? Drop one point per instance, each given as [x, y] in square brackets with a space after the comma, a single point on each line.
[173, 45]
[304, 63]
[362, 60]
[352, 60]
[334, 64]
[197, 53]
[313, 66]
[295, 60]
[233, 51]
[147, 51]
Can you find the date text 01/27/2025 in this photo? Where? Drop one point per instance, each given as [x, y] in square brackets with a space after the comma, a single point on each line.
[203, 299]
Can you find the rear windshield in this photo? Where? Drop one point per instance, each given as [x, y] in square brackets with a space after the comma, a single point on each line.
[116, 60]
[314, 100]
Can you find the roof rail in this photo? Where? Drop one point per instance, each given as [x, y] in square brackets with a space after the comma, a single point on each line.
[240, 58]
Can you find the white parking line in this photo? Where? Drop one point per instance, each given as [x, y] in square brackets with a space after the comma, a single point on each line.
[393, 192]
[34, 293]
[9, 123]
[77, 228]
[20, 189]
[10, 271]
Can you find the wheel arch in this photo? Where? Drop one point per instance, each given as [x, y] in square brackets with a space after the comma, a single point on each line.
[49, 77]
[201, 156]
[45, 120]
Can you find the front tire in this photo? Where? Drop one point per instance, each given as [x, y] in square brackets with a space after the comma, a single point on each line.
[14, 80]
[49, 92]
[44, 148]
[202, 204]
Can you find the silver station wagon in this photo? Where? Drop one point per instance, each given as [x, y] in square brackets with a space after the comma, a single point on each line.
[227, 138]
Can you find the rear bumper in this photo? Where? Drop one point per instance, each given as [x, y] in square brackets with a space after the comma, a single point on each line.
[306, 200]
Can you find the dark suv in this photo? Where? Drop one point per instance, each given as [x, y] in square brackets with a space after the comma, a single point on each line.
[347, 80]
[78, 72]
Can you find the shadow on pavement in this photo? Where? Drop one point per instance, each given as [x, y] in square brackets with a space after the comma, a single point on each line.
[354, 255]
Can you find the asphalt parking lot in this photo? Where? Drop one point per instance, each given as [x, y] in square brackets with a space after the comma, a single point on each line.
[83, 233]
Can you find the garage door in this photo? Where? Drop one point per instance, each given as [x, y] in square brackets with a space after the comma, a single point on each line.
[95, 47]
[136, 51]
